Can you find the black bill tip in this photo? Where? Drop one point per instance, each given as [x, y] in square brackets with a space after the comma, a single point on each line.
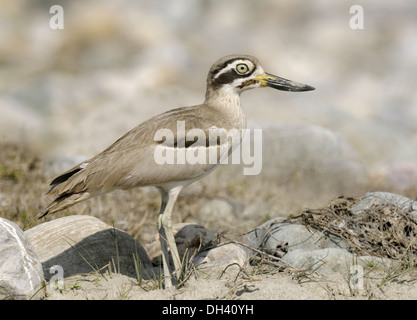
[285, 84]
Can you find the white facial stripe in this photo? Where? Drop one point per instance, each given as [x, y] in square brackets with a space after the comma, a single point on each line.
[238, 82]
[233, 65]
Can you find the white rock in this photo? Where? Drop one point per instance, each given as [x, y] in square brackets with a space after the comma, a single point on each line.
[375, 262]
[324, 261]
[221, 257]
[275, 233]
[332, 260]
[377, 198]
[21, 272]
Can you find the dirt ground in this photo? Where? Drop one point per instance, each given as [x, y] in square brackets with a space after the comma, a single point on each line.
[275, 286]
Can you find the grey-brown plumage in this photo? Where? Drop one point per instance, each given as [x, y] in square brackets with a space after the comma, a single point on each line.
[130, 161]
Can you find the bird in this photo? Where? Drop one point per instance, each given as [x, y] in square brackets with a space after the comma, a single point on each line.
[131, 160]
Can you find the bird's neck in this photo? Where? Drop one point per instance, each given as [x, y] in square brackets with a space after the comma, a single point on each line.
[227, 102]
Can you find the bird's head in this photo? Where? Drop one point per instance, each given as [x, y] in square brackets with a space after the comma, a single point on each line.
[237, 73]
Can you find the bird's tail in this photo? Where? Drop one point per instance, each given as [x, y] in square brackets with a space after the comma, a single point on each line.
[64, 201]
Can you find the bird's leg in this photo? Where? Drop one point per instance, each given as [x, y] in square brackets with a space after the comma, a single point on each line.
[163, 241]
[165, 233]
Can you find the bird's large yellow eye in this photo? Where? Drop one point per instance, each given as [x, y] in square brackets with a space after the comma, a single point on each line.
[242, 68]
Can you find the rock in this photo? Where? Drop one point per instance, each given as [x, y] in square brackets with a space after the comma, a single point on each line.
[377, 198]
[276, 234]
[192, 238]
[21, 274]
[374, 262]
[307, 249]
[256, 236]
[189, 238]
[323, 261]
[331, 260]
[82, 244]
[221, 257]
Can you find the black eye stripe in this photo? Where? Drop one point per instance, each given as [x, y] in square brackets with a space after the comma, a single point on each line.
[231, 72]
[223, 66]
[229, 77]
[226, 77]
[220, 68]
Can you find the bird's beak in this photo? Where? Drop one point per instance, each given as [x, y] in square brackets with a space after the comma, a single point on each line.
[269, 80]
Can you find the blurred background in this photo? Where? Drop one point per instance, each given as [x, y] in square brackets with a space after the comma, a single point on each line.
[70, 93]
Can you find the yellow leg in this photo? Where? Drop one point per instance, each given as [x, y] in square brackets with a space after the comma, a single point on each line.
[166, 236]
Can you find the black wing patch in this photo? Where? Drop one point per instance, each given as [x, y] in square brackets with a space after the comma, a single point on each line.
[63, 178]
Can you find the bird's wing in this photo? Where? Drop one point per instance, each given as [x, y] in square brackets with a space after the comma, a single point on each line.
[132, 156]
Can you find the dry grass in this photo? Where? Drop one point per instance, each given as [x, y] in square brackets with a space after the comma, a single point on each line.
[21, 184]
[385, 231]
